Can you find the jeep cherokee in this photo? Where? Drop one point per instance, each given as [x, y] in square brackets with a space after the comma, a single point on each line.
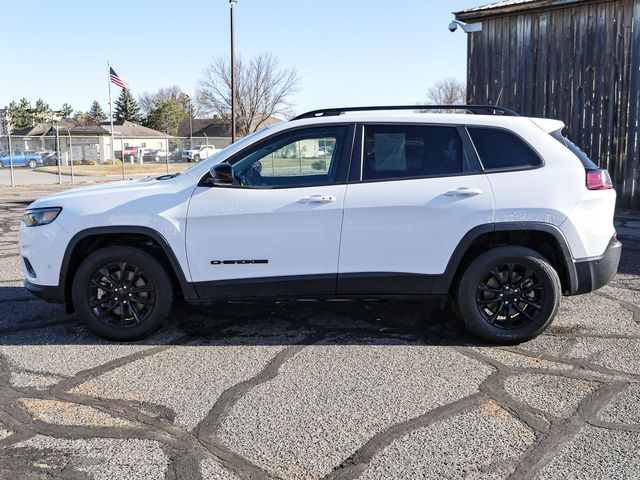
[498, 212]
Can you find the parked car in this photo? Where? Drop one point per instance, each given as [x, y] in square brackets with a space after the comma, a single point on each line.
[155, 155]
[176, 155]
[20, 158]
[128, 152]
[198, 153]
[498, 213]
[50, 159]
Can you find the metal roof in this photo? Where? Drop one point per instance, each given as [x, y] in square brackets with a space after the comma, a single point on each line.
[506, 7]
[505, 3]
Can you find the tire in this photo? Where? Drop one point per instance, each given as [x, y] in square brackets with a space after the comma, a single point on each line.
[196, 158]
[508, 295]
[124, 319]
[32, 164]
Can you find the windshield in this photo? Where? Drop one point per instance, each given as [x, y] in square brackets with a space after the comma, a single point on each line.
[222, 154]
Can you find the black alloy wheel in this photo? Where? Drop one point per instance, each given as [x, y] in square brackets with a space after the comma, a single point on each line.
[508, 295]
[122, 293]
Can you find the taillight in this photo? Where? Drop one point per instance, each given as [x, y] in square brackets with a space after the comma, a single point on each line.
[598, 180]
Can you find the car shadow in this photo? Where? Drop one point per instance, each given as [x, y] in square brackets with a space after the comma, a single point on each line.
[27, 320]
[630, 258]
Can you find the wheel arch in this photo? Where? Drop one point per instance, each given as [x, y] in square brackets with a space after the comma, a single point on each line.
[545, 238]
[146, 238]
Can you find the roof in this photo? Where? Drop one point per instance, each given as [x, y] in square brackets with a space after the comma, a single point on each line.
[412, 117]
[506, 3]
[507, 7]
[37, 130]
[210, 127]
[130, 129]
[70, 126]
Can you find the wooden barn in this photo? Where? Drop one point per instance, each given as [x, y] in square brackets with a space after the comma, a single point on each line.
[574, 60]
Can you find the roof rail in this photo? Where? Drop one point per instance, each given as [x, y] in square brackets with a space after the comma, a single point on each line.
[476, 109]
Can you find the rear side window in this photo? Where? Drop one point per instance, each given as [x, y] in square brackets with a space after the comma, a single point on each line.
[499, 149]
[410, 151]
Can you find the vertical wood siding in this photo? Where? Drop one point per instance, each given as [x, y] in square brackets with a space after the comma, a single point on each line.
[579, 64]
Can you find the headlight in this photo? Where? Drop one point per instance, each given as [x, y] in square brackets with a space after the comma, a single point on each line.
[40, 216]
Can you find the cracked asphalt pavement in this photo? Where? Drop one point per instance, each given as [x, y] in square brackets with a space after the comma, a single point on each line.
[340, 390]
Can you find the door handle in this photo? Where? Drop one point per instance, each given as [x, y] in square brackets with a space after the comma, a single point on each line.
[318, 199]
[464, 191]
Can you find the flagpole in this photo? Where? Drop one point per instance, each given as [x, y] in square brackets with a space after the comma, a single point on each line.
[113, 153]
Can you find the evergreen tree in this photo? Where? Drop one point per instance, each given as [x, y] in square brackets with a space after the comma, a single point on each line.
[166, 116]
[66, 111]
[96, 114]
[20, 114]
[127, 108]
[42, 112]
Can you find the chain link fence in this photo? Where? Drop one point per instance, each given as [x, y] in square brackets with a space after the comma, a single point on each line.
[66, 158]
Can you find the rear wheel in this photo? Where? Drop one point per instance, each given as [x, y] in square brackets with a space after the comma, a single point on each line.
[122, 293]
[508, 295]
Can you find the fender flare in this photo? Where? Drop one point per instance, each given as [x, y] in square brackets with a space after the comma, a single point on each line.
[188, 290]
[445, 281]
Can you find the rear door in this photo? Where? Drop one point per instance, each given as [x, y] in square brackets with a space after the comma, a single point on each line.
[417, 191]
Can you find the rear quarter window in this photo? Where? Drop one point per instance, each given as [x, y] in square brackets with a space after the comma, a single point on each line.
[583, 157]
[502, 150]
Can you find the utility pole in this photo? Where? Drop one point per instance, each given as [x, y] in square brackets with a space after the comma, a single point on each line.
[232, 4]
[190, 122]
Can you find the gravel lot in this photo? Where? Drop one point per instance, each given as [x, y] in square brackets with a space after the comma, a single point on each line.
[318, 390]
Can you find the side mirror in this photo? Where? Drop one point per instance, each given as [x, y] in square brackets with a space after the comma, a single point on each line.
[222, 175]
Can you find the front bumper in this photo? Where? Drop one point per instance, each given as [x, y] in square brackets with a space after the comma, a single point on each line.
[593, 273]
[52, 294]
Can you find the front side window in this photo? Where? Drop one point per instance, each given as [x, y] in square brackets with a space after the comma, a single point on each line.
[412, 151]
[300, 158]
[499, 149]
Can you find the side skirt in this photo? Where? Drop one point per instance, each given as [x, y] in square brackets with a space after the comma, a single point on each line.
[351, 285]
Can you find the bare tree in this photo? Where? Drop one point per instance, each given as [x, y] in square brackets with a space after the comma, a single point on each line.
[150, 101]
[262, 90]
[448, 91]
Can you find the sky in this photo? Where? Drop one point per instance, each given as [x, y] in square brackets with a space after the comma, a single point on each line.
[346, 52]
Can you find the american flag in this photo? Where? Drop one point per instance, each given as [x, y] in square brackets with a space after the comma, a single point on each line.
[117, 80]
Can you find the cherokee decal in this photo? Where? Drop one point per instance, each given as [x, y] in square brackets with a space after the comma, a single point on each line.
[238, 262]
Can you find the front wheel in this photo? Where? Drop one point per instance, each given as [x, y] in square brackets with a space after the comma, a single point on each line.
[196, 158]
[32, 164]
[122, 293]
[508, 295]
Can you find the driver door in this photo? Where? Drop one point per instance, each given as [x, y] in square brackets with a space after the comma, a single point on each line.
[278, 231]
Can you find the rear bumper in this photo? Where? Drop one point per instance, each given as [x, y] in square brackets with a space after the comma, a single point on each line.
[52, 294]
[593, 273]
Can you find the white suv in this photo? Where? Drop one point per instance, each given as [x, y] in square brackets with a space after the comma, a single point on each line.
[498, 212]
[198, 153]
